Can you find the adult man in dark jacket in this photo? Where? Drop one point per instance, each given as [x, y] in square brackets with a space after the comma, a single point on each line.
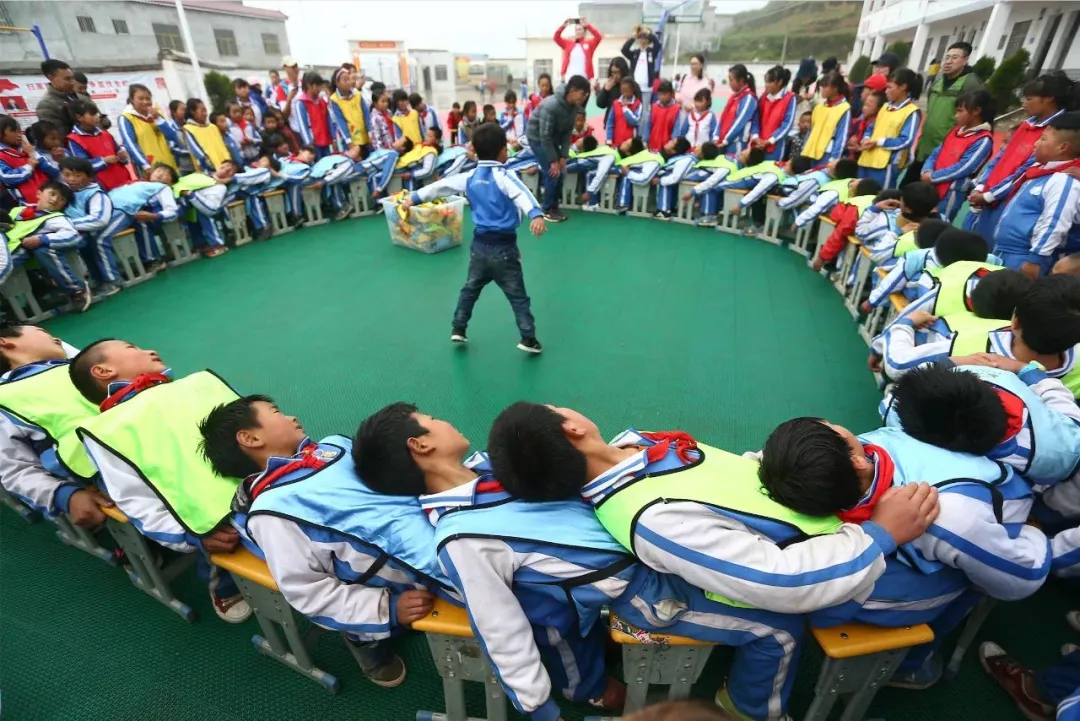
[549, 129]
[61, 93]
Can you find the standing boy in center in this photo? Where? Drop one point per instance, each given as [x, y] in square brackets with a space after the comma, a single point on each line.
[498, 199]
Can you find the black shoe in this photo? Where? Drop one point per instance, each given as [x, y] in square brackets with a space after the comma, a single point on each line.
[530, 345]
[390, 675]
[457, 335]
[264, 234]
[554, 216]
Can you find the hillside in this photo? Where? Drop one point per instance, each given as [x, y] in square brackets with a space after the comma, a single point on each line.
[821, 29]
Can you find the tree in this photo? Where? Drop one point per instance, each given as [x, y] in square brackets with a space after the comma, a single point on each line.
[1009, 77]
[902, 51]
[984, 68]
[220, 89]
[859, 69]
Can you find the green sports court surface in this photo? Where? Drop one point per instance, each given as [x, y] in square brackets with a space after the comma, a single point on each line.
[644, 324]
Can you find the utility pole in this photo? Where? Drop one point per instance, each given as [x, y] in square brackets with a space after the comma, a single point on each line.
[783, 51]
[185, 31]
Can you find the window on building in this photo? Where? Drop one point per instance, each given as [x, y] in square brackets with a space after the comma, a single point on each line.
[271, 44]
[5, 16]
[440, 72]
[1016, 37]
[86, 24]
[168, 37]
[942, 46]
[120, 27]
[226, 42]
[604, 64]
[541, 66]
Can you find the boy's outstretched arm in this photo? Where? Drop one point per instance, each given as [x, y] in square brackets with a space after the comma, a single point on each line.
[438, 189]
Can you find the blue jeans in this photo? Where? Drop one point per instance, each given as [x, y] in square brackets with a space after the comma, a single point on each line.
[552, 186]
[501, 264]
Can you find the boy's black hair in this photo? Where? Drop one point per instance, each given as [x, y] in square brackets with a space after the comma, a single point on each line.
[381, 451]
[80, 77]
[9, 331]
[1067, 127]
[636, 145]
[59, 187]
[954, 244]
[577, 82]
[8, 123]
[589, 143]
[1049, 314]
[213, 117]
[79, 371]
[406, 147]
[82, 107]
[1056, 85]
[979, 100]
[954, 410]
[398, 96]
[240, 83]
[910, 78]
[682, 145]
[997, 294]
[920, 198]
[928, 232]
[709, 150]
[36, 133]
[846, 169]
[888, 194]
[806, 466]
[703, 95]
[867, 186]
[509, 97]
[488, 140]
[311, 78]
[219, 446]
[415, 99]
[532, 457]
[173, 174]
[51, 66]
[805, 113]
[665, 87]
[77, 165]
[801, 164]
[961, 45]
[488, 108]
[756, 156]
[275, 164]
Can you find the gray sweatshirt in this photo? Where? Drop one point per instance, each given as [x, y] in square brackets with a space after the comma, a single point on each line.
[550, 125]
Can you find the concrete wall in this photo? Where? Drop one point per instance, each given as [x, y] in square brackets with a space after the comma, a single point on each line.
[105, 48]
[441, 93]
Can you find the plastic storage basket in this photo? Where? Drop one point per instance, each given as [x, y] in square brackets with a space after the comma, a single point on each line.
[429, 227]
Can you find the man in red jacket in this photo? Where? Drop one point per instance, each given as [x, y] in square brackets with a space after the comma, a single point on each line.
[577, 54]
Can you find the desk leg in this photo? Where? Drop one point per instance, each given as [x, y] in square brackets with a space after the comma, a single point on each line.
[82, 539]
[145, 574]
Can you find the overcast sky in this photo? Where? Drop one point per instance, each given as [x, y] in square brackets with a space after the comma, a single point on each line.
[319, 30]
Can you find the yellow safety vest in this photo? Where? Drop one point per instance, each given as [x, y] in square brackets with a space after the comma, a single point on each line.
[952, 281]
[823, 122]
[414, 156]
[861, 202]
[22, 228]
[209, 139]
[152, 141]
[971, 334]
[905, 243]
[353, 110]
[887, 125]
[409, 125]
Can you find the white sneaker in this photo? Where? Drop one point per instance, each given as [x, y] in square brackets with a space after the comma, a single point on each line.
[590, 207]
[233, 609]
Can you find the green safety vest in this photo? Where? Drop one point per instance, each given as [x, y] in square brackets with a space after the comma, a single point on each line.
[50, 401]
[971, 334]
[861, 202]
[767, 167]
[720, 161]
[904, 244]
[22, 228]
[840, 187]
[594, 153]
[157, 434]
[645, 156]
[192, 182]
[951, 282]
[719, 479]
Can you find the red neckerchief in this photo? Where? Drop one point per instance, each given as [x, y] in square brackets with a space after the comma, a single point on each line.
[29, 212]
[490, 487]
[141, 383]
[306, 459]
[1014, 410]
[1040, 171]
[885, 469]
[664, 440]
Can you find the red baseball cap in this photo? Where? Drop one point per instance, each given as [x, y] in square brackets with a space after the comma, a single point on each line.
[876, 83]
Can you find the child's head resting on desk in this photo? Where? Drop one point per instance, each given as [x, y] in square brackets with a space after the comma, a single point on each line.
[800, 164]
[54, 196]
[162, 173]
[239, 437]
[865, 186]
[952, 245]
[77, 173]
[1060, 140]
[631, 146]
[709, 150]
[752, 156]
[23, 344]
[400, 451]
[225, 171]
[1047, 316]
[489, 142]
[589, 143]
[917, 201]
[842, 168]
[676, 146]
[307, 155]
[110, 361]
[267, 159]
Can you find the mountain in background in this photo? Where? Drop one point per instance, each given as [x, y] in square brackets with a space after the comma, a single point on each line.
[821, 29]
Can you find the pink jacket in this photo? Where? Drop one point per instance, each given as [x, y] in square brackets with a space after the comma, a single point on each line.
[588, 45]
[689, 86]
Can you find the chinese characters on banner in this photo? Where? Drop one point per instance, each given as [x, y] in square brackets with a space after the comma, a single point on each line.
[20, 94]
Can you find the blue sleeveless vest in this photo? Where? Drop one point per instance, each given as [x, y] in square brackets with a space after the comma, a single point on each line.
[819, 176]
[294, 170]
[131, 198]
[77, 207]
[449, 155]
[336, 498]
[1055, 446]
[324, 167]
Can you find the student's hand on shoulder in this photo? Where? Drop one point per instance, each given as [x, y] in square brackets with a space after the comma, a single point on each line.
[890, 204]
[32, 242]
[906, 512]
[222, 540]
[413, 605]
[1031, 270]
[910, 227]
[921, 319]
[873, 362]
[85, 506]
[537, 226]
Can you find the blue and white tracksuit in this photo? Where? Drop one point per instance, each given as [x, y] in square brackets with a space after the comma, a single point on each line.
[90, 213]
[708, 187]
[1038, 220]
[984, 220]
[541, 572]
[802, 188]
[889, 176]
[422, 169]
[455, 159]
[57, 235]
[737, 138]
[780, 135]
[429, 118]
[598, 175]
[757, 185]
[879, 230]
[293, 176]
[497, 197]
[378, 169]
[129, 199]
[29, 469]
[697, 128]
[49, 166]
[979, 543]
[14, 177]
[639, 174]
[671, 174]
[234, 140]
[958, 174]
[321, 540]
[175, 135]
[248, 184]
[209, 204]
[513, 124]
[821, 204]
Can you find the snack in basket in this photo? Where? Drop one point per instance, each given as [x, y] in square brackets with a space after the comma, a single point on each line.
[428, 227]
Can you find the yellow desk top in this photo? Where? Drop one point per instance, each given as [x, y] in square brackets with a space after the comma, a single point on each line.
[128, 231]
[827, 219]
[880, 271]
[269, 193]
[245, 564]
[648, 637]
[447, 619]
[855, 241]
[899, 302]
[858, 639]
[114, 513]
[736, 190]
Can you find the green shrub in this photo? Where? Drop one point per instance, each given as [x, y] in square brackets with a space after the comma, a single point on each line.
[220, 89]
[1005, 83]
[859, 69]
[984, 67]
[902, 50]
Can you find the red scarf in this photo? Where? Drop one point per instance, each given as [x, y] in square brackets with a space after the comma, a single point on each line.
[662, 120]
[141, 383]
[885, 470]
[306, 459]
[727, 116]
[772, 114]
[1039, 171]
[1015, 154]
[28, 189]
[29, 212]
[1014, 411]
[490, 487]
[952, 150]
[678, 441]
